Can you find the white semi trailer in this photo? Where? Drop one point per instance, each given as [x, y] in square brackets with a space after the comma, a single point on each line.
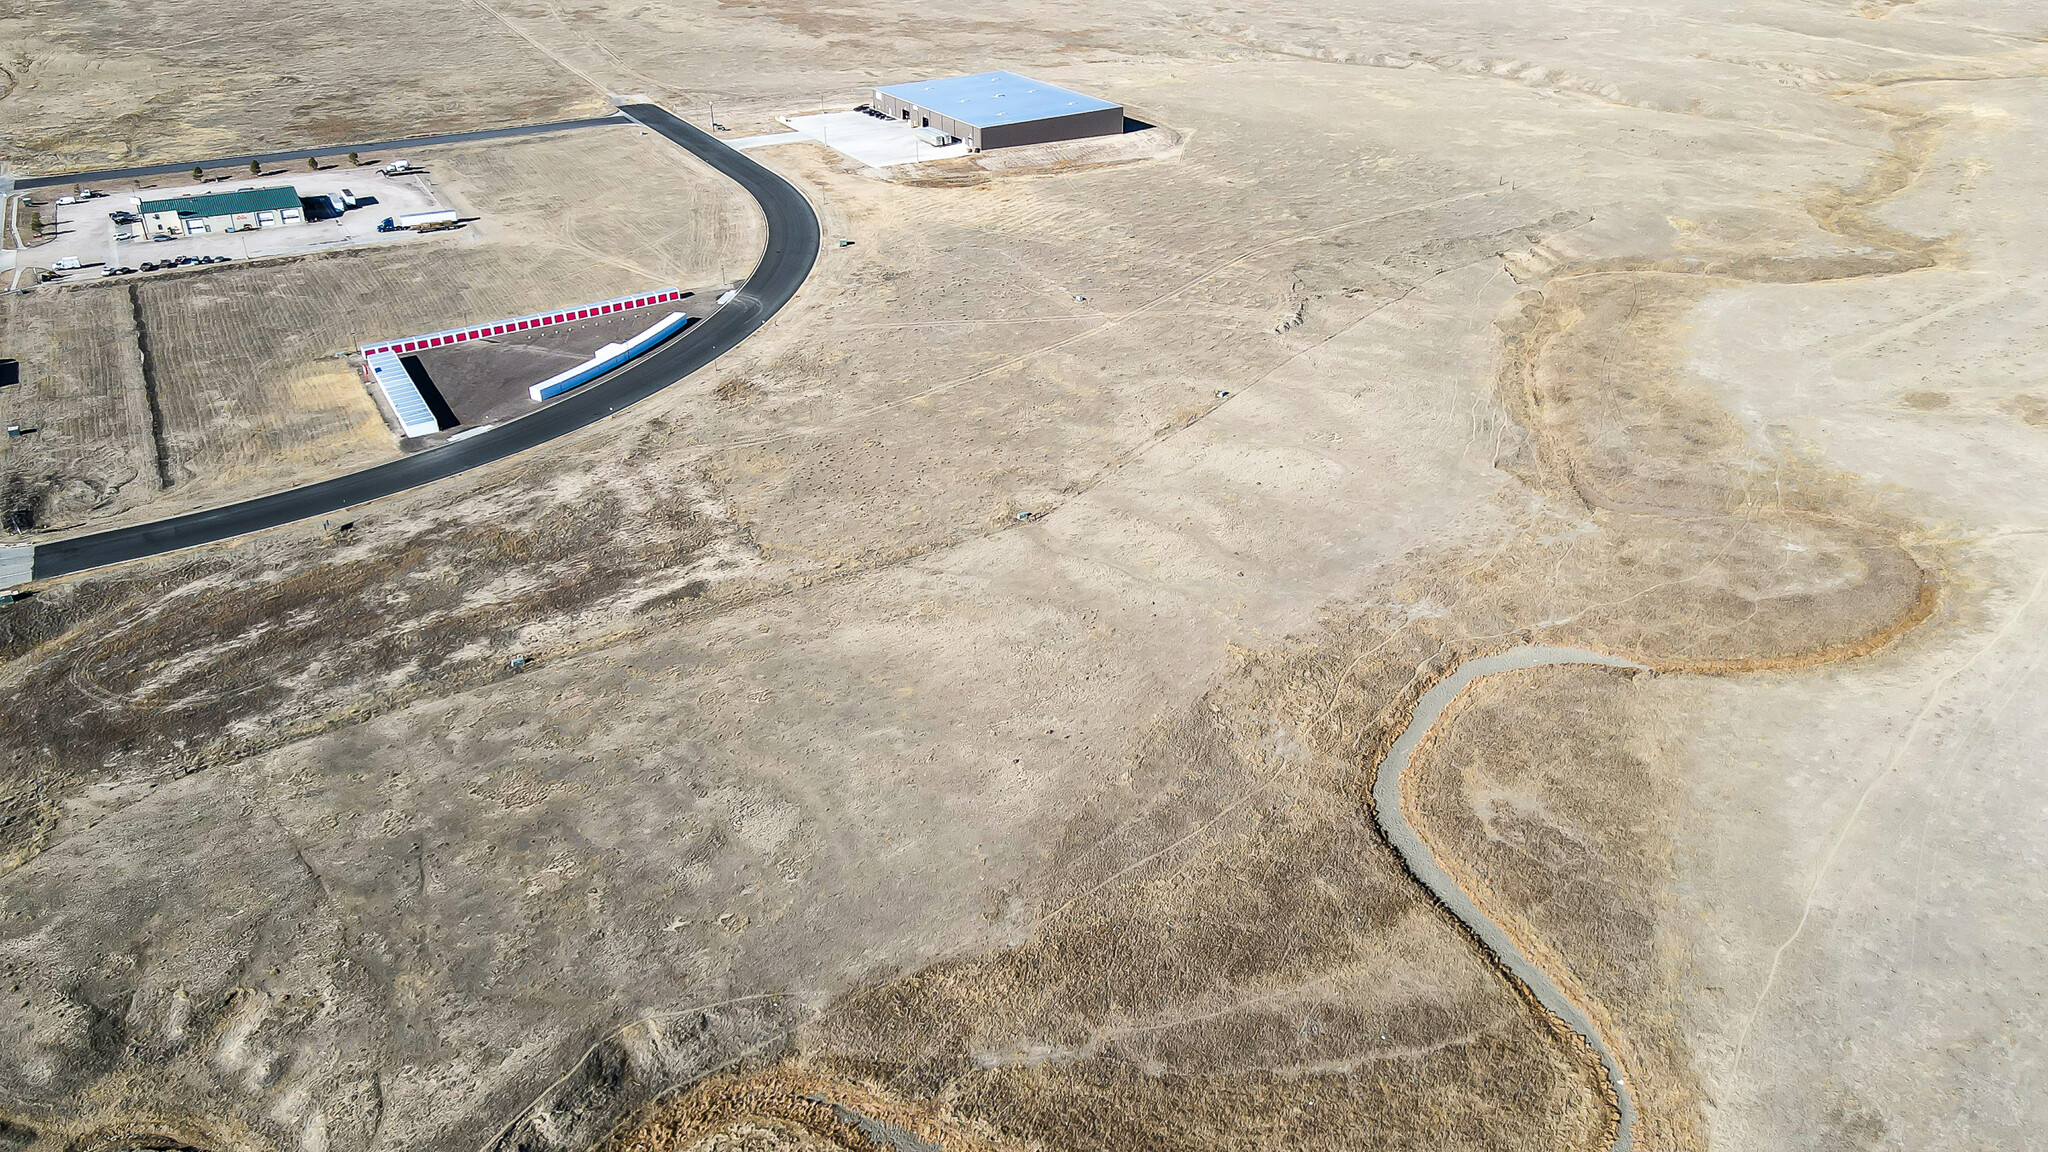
[420, 221]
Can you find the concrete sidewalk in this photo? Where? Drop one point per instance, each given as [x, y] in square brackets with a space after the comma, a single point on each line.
[745, 143]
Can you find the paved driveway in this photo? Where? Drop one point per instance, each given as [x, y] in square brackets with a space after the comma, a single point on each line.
[871, 140]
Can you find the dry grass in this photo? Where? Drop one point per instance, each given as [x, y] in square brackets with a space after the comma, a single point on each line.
[247, 379]
[618, 209]
[82, 391]
[1211, 972]
[1221, 954]
[93, 85]
[1208, 975]
[1527, 795]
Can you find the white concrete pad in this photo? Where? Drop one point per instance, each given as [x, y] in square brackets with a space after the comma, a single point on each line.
[17, 564]
[872, 140]
[746, 142]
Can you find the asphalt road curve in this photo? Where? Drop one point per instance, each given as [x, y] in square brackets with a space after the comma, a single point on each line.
[791, 252]
[68, 178]
[1421, 862]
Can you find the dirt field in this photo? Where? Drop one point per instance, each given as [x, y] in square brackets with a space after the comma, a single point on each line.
[248, 361]
[82, 391]
[160, 81]
[952, 716]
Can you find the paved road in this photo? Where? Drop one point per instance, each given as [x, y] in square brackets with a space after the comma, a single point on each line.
[792, 250]
[68, 179]
[1421, 862]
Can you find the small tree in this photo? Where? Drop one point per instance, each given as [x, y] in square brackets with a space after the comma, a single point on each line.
[198, 174]
[255, 168]
[312, 164]
[354, 159]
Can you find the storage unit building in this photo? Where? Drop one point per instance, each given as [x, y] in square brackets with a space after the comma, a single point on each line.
[1000, 110]
[199, 212]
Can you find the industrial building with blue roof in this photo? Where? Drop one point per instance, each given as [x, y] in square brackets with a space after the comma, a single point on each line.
[1000, 110]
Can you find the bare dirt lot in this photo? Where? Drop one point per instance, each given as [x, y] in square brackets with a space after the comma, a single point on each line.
[952, 714]
[249, 361]
[161, 80]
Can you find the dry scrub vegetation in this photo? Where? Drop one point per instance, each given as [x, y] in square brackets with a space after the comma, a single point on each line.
[1546, 795]
[1220, 953]
[1222, 970]
[174, 677]
[82, 391]
[149, 81]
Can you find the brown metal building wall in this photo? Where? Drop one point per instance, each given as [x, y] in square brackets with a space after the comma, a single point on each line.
[1101, 122]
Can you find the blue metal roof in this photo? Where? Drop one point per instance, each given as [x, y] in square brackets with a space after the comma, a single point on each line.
[986, 99]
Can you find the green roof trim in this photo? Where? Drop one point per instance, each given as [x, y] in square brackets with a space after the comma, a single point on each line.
[226, 203]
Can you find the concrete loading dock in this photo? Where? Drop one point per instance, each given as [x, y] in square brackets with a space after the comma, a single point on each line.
[999, 110]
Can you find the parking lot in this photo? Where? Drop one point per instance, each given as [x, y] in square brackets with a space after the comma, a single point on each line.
[876, 141]
[86, 232]
[485, 381]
